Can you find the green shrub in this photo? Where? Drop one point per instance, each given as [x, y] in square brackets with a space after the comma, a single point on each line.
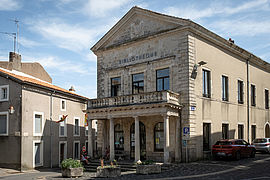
[71, 163]
[147, 162]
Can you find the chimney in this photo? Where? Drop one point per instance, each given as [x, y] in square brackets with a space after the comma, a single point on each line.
[72, 89]
[14, 61]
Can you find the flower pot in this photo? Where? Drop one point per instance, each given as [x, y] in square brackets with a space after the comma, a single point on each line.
[72, 172]
[108, 172]
[148, 169]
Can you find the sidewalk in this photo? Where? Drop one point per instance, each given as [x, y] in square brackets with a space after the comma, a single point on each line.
[7, 172]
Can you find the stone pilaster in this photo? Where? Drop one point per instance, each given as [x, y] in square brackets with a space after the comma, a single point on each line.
[137, 138]
[166, 139]
[111, 139]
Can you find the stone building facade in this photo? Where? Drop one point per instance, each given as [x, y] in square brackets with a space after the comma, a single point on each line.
[168, 89]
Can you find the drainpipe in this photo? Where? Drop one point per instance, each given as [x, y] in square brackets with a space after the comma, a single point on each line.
[51, 126]
[247, 62]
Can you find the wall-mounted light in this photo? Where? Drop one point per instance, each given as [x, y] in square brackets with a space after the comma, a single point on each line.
[11, 110]
[194, 71]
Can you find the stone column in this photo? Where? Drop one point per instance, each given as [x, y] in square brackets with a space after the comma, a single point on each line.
[90, 139]
[111, 139]
[166, 138]
[177, 141]
[137, 138]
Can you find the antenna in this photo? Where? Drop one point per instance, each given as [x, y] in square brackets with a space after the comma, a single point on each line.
[14, 37]
[16, 21]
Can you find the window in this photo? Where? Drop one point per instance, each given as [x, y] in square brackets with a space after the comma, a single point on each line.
[225, 131]
[63, 105]
[118, 137]
[240, 86]
[206, 84]
[266, 96]
[240, 131]
[86, 146]
[37, 153]
[163, 79]
[159, 136]
[115, 86]
[76, 151]
[253, 95]
[253, 132]
[225, 88]
[4, 93]
[76, 127]
[137, 83]
[3, 123]
[62, 127]
[206, 136]
[86, 131]
[38, 123]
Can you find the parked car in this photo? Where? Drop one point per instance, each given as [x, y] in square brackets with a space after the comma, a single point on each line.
[233, 148]
[262, 144]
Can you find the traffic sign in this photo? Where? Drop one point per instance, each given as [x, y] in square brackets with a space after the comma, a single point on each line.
[186, 130]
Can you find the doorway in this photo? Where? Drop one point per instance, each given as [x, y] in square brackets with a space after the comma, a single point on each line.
[267, 131]
[62, 151]
[142, 141]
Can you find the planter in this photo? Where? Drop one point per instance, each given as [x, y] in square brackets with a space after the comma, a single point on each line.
[148, 169]
[108, 172]
[72, 172]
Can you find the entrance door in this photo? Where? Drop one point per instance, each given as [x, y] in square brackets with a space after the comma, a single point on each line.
[142, 141]
[62, 151]
[267, 131]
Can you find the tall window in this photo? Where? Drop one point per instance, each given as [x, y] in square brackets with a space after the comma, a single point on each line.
[137, 83]
[206, 136]
[225, 88]
[225, 131]
[253, 95]
[4, 93]
[4, 123]
[163, 79]
[63, 105]
[253, 132]
[76, 127]
[76, 150]
[266, 96]
[159, 136]
[115, 86]
[240, 86]
[119, 137]
[206, 84]
[62, 127]
[38, 121]
[240, 131]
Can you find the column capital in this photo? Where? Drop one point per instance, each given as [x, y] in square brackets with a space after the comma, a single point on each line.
[136, 117]
[165, 116]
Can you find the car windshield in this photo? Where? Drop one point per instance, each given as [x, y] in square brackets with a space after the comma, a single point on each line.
[223, 143]
[260, 141]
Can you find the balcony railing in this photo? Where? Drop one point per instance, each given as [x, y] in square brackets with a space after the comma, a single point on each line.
[143, 98]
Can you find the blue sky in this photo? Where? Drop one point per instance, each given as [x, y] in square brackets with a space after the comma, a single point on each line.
[59, 33]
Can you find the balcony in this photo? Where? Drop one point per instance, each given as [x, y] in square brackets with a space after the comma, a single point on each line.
[167, 97]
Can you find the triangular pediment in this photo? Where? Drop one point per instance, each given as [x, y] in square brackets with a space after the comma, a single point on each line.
[137, 23]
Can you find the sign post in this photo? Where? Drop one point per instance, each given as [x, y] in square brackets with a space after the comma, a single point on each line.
[186, 137]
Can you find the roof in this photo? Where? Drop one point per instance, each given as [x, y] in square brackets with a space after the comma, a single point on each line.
[25, 78]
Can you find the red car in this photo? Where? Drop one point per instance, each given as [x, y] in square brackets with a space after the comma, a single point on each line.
[233, 148]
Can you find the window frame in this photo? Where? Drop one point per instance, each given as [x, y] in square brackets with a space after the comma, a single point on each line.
[41, 153]
[225, 88]
[206, 87]
[1, 90]
[253, 95]
[7, 122]
[155, 148]
[34, 123]
[162, 78]
[138, 84]
[78, 149]
[74, 129]
[65, 126]
[266, 98]
[61, 103]
[240, 91]
[115, 85]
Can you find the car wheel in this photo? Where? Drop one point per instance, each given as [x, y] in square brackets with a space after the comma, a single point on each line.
[237, 156]
[252, 155]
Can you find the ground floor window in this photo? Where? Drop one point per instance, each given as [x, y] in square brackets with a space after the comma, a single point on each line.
[159, 137]
[3, 123]
[119, 137]
[267, 131]
[76, 150]
[37, 153]
[206, 136]
[225, 131]
[253, 132]
[240, 131]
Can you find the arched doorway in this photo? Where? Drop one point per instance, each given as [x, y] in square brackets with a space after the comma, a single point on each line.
[267, 131]
[142, 141]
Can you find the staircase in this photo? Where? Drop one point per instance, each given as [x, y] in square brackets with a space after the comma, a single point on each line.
[125, 165]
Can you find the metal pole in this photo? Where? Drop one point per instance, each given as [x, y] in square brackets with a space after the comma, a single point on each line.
[186, 151]
[248, 99]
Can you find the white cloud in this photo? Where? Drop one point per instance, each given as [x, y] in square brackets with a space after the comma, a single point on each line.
[100, 8]
[9, 5]
[28, 43]
[192, 12]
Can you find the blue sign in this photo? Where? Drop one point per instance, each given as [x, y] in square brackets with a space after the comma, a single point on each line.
[186, 130]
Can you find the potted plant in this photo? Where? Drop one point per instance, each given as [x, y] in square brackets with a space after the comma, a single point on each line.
[71, 168]
[147, 167]
[112, 170]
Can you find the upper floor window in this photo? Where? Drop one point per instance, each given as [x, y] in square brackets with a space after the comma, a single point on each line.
[240, 95]
[137, 83]
[266, 96]
[163, 79]
[225, 88]
[253, 95]
[115, 86]
[38, 123]
[63, 105]
[3, 123]
[4, 93]
[63, 126]
[206, 83]
[76, 127]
